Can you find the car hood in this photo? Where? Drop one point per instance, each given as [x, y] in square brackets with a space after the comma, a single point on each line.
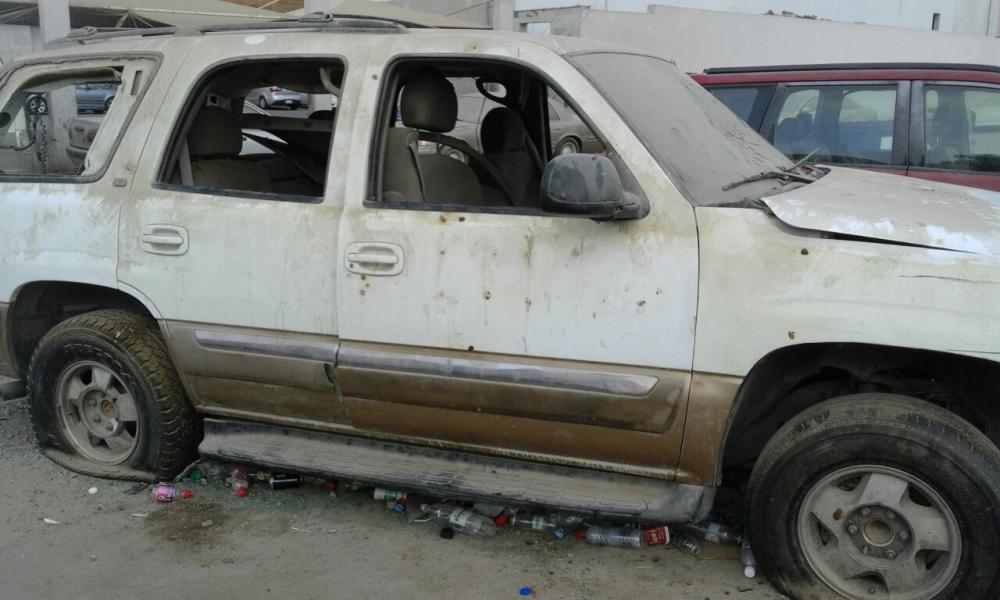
[894, 209]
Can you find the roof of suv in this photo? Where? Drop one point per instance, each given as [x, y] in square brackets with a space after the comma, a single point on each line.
[851, 72]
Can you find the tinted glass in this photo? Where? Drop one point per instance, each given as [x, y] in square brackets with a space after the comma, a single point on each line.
[741, 100]
[962, 128]
[837, 124]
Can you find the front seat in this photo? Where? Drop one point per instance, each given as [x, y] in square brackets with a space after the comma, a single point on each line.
[427, 103]
[505, 145]
[214, 144]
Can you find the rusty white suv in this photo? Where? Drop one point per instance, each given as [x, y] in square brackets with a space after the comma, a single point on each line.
[614, 334]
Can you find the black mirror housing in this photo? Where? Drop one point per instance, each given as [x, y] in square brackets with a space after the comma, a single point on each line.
[588, 185]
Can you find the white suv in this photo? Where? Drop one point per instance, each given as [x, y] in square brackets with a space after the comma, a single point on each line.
[613, 334]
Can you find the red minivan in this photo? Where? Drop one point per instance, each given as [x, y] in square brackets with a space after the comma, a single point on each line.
[934, 121]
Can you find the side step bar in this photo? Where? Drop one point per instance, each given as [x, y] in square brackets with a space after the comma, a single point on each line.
[456, 475]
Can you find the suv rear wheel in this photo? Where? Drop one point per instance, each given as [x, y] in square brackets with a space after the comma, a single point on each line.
[878, 496]
[106, 400]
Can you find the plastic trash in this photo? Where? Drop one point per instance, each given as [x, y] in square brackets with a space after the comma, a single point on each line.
[283, 481]
[748, 560]
[526, 591]
[92, 491]
[552, 524]
[627, 537]
[49, 521]
[168, 492]
[683, 541]
[716, 533]
[384, 494]
[239, 482]
[460, 519]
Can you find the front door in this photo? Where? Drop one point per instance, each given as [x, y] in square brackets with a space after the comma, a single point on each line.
[506, 330]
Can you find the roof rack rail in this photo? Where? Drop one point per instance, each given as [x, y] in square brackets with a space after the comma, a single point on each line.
[313, 21]
[851, 66]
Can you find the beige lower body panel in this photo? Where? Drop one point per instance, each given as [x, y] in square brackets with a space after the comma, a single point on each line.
[7, 368]
[609, 417]
[708, 413]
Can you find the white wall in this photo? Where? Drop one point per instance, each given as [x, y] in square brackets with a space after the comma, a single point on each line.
[958, 16]
[697, 39]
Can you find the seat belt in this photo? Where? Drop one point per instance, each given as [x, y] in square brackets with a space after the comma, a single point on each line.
[184, 163]
[411, 143]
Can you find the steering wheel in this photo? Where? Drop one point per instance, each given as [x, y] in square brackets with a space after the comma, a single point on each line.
[477, 158]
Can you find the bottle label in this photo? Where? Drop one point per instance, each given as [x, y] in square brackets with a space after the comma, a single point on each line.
[657, 536]
[460, 518]
[538, 523]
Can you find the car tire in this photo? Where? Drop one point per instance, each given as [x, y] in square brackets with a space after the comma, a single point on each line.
[262, 102]
[568, 146]
[872, 494]
[106, 400]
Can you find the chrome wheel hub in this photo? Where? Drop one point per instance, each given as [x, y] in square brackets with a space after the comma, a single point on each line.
[871, 531]
[97, 412]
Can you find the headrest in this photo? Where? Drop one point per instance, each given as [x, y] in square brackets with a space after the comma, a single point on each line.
[502, 130]
[428, 102]
[215, 132]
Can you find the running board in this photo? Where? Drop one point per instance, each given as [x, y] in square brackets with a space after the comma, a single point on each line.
[457, 475]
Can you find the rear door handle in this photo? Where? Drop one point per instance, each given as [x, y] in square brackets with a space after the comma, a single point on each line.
[374, 258]
[171, 240]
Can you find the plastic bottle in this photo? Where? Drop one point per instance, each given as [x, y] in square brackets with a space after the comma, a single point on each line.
[538, 523]
[168, 492]
[627, 537]
[716, 533]
[748, 560]
[686, 543]
[461, 519]
[240, 483]
[384, 494]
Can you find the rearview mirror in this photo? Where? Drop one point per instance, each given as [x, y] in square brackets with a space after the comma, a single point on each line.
[588, 185]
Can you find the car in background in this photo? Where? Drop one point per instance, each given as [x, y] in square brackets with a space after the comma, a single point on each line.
[273, 97]
[95, 97]
[932, 121]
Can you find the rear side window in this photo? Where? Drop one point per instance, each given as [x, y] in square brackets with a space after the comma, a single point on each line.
[845, 124]
[748, 101]
[962, 128]
[62, 123]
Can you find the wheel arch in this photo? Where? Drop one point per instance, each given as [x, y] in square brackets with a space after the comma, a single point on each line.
[793, 378]
[37, 306]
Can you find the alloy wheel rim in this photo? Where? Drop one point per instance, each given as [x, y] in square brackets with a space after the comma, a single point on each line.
[872, 531]
[97, 412]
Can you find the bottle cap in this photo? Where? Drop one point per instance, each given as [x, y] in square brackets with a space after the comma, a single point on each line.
[500, 520]
[581, 534]
[526, 591]
[187, 494]
[241, 492]
[749, 572]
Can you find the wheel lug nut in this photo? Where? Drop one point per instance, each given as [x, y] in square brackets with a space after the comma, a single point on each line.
[865, 550]
[904, 536]
[890, 554]
[866, 512]
[853, 530]
[891, 515]
[871, 591]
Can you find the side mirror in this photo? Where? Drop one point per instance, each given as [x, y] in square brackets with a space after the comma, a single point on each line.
[588, 185]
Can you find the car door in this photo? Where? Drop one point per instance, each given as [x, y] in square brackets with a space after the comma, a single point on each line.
[859, 124]
[955, 133]
[243, 278]
[516, 333]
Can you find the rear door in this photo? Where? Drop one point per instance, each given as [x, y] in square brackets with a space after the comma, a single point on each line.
[858, 124]
[955, 133]
[748, 101]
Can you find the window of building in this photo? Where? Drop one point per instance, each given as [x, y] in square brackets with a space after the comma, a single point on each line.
[837, 124]
[261, 129]
[472, 133]
[63, 123]
[962, 128]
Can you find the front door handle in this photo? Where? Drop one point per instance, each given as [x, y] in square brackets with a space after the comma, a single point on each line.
[171, 240]
[374, 258]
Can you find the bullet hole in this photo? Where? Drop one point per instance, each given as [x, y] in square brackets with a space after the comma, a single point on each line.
[487, 295]
[805, 252]
[364, 277]
[462, 219]
[374, 75]
[838, 514]
[472, 348]
[363, 292]
[791, 335]
[442, 218]
[442, 253]
[659, 291]
[641, 303]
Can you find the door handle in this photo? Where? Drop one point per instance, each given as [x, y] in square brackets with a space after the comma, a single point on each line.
[171, 240]
[374, 258]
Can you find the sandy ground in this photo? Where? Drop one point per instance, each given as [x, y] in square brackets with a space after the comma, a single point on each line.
[294, 544]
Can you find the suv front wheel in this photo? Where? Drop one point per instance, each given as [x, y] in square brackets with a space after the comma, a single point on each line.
[106, 400]
[878, 496]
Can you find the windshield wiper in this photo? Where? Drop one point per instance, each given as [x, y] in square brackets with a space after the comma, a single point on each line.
[785, 176]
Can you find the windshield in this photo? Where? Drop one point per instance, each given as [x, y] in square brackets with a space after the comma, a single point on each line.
[699, 142]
